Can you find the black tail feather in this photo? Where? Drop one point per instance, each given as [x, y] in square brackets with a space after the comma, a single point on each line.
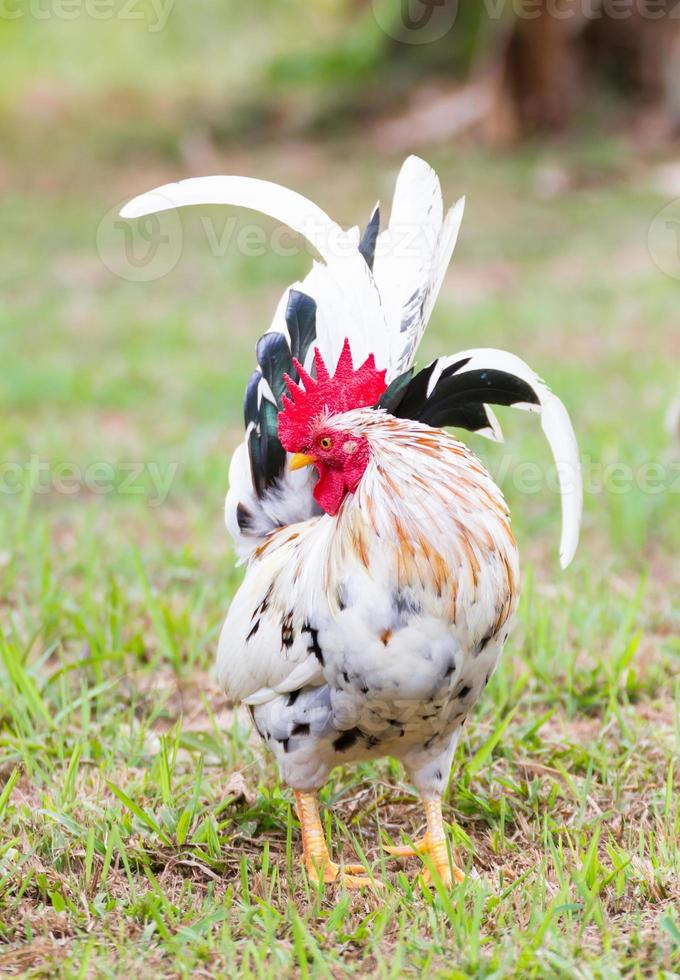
[275, 352]
[275, 360]
[459, 397]
[394, 394]
[370, 237]
[301, 323]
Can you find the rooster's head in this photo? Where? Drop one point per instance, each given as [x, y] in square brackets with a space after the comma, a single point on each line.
[311, 429]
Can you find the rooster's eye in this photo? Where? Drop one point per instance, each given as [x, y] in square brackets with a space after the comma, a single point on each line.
[326, 442]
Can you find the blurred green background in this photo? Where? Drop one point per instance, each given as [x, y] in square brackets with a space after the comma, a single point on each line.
[564, 137]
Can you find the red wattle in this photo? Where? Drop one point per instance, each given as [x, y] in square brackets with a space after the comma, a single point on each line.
[329, 490]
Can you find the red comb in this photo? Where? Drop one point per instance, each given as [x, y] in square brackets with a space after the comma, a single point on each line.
[347, 389]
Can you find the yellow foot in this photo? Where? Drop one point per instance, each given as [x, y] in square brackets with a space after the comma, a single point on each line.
[318, 862]
[437, 853]
[349, 875]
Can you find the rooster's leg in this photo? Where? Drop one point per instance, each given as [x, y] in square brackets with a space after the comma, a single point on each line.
[433, 844]
[318, 862]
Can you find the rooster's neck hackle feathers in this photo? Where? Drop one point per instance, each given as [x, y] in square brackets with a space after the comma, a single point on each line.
[416, 511]
[420, 502]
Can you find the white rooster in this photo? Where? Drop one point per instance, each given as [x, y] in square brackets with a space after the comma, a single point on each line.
[382, 574]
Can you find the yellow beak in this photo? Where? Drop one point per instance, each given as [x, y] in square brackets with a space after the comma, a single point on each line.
[298, 460]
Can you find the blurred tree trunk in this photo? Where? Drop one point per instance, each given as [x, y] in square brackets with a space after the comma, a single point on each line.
[636, 51]
[540, 71]
[550, 63]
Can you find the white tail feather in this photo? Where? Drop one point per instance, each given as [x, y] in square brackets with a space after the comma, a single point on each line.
[284, 205]
[412, 256]
[348, 302]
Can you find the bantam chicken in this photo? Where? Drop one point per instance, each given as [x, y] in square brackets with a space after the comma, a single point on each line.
[382, 574]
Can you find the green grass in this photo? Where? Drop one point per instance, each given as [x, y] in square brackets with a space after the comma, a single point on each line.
[126, 842]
